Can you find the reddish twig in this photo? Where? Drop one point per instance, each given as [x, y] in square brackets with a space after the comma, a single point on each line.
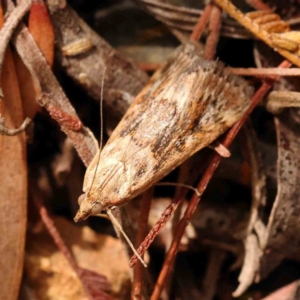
[258, 5]
[136, 293]
[92, 283]
[64, 119]
[214, 33]
[202, 22]
[265, 71]
[165, 217]
[202, 186]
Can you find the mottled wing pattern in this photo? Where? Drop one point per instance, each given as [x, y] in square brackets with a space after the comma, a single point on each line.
[185, 106]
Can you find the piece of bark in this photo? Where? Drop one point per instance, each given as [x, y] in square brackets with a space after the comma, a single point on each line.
[13, 187]
[84, 55]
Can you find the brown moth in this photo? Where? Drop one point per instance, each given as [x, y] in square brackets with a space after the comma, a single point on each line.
[185, 106]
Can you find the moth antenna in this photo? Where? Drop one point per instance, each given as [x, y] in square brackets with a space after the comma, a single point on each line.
[180, 184]
[101, 128]
[119, 227]
[101, 111]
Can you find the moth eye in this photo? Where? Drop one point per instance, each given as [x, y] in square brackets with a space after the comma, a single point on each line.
[81, 198]
[97, 208]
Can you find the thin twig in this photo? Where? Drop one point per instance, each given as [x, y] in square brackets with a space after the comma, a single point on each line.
[258, 5]
[265, 71]
[256, 29]
[165, 217]
[214, 33]
[201, 24]
[214, 163]
[136, 293]
[8, 28]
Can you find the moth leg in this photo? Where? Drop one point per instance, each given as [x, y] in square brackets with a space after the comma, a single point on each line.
[4, 130]
[278, 100]
[179, 184]
[220, 149]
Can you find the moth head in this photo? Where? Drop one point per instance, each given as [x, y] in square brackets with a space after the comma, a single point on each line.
[87, 208]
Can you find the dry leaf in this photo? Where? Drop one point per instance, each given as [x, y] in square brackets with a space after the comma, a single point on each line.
[256, 230]
[283, 226]
[40, 27]
[13, 187]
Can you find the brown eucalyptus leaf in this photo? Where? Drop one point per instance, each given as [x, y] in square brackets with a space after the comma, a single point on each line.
[283, 226]
[13, 187]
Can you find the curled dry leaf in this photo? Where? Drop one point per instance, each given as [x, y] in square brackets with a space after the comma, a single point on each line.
[283, 226]
[50, 275]
[13, 187]
[255, 230]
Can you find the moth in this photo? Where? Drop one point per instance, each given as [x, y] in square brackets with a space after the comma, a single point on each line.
[186, 105]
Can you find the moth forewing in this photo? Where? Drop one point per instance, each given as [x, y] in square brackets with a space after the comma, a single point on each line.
[185, 106]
